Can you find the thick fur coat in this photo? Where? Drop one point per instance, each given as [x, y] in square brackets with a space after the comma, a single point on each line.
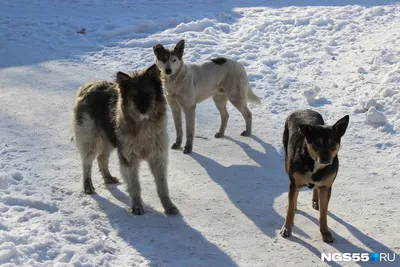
[130, 115]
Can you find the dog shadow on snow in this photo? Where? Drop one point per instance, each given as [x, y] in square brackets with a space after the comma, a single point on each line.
[162, 240]
[345, 246]
[253, 189]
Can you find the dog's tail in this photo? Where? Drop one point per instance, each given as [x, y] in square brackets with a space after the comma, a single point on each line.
[251, 96]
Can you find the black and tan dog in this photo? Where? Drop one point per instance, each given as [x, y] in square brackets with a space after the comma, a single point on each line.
[311, 159]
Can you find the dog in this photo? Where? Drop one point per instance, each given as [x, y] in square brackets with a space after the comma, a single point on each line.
[311, 159]
[189, 84]
[130, 115]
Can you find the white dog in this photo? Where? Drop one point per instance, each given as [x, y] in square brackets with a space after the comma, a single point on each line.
[189, 84]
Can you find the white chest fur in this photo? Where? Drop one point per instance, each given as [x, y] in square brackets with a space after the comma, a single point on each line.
[307, 178]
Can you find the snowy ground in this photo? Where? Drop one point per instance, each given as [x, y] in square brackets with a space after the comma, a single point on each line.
[232, 193]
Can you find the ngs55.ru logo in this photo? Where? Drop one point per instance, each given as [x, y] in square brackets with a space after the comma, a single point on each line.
[355, 257]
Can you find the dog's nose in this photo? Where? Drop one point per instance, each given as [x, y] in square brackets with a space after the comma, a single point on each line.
[325, 160]
[168, 71]
[142, 110]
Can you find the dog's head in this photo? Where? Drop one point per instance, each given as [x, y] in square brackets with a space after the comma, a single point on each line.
[139, 92]
[323, 142]
[169, 61]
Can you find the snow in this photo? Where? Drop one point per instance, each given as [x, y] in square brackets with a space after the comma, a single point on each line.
[375, 117]
[338, 57]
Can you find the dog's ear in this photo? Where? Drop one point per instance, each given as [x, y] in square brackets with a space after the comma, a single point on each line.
[121, 77]
[158, 49]
[153, 71]
[179, 48]
[341, 125]
[307, 130]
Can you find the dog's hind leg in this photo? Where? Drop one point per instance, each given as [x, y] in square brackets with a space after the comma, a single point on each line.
[285, 141]
[177, 115]
[103, 160]
[86, 139]
[87, 147]
[190, 115]
[130, 173]
[242, 107]
[158, 167]
[87, 163]
[220, 102]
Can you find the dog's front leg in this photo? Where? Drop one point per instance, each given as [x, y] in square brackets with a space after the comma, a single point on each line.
[130, 173]
[177, 115]
[315, 199]
[158, 167]
[324, 196]
[190, 115]
[286, 230]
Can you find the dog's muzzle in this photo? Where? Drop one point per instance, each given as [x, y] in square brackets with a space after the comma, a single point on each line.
[144, 117]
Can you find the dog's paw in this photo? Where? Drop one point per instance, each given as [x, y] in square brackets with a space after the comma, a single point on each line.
[110, 180]
[172, 211]
[89, 189]
[327, 237]
[286, 231]
[176, 146]
[245, 133]
[218, 135]
[315, 205]
[137, 210]
[187, 150]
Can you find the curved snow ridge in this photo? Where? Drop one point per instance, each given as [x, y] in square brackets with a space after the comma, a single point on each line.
[200, 26]
[30, 202]
[149, 42]
[10, 178]
[141, 26]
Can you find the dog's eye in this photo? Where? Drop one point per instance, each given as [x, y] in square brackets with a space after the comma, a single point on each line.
[174, 60]
[332, 145]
